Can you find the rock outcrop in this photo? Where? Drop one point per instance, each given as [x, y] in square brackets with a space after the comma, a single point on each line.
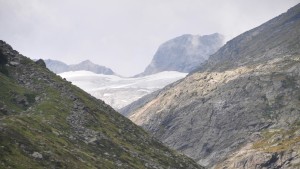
[41, 62]
[184, 53]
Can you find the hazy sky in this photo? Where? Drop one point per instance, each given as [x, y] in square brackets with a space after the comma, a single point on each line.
[123, 34]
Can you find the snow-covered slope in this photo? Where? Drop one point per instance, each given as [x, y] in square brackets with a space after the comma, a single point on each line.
[119, 91]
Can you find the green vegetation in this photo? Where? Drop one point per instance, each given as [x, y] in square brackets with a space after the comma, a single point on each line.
[30, 97]
[46, 122]
[279, 140]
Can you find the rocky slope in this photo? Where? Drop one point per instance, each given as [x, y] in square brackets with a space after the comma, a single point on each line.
[120, 91]
[184, 53]
[46, 122]
[60, 67]
[241, 109]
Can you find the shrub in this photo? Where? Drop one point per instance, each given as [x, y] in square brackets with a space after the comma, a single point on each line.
[30, 97]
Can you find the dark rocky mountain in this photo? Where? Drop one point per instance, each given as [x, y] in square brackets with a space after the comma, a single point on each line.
[60, 67]
[241, 108]
[184, 53]
[46, 122]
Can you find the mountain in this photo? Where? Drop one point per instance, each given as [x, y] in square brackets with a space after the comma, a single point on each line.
[90, 66]
[184, 53]
[60, 67]
[46, 122]
[239, 109]
[56, 66]
[120, 91]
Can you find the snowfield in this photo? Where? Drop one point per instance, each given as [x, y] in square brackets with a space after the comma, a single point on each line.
[120, 91]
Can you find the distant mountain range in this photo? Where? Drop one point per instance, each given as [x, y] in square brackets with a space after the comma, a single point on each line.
[173, 60]
[240, 108]
[60, 67]
[184, 53]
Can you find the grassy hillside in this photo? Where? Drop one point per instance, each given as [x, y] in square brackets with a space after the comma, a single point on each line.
[46, 122]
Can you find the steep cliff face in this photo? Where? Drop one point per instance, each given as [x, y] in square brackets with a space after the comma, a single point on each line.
[46, 122]
[230, 111]
[184, 53]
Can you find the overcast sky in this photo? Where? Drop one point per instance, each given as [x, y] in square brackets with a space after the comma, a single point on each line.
[123, 34]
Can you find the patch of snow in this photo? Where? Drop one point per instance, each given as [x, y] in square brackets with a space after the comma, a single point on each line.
[107, 94]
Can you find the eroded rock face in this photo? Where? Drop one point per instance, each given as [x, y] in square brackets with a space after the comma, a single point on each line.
[276, 149]
[250, 86]
[184, 53]
[41, 62]
[3, 58]
[214, 113]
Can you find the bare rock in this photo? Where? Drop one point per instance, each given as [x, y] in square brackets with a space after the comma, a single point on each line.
[37, 155]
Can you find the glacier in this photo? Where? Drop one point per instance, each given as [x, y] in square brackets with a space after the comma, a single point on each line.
[120, 91]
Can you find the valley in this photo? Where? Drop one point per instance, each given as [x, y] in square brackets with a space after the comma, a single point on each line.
[200, 103]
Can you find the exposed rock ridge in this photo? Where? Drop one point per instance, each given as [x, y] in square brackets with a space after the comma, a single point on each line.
[184, 53]
[249, 87]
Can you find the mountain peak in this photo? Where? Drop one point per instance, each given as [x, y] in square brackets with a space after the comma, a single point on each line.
[86, 62]
[184, 53]
[265, 38]
[60, 67]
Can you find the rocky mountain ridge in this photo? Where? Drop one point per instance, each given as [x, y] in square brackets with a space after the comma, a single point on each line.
[60, 67]
[241, 108]
[184, 53]
[46, 122]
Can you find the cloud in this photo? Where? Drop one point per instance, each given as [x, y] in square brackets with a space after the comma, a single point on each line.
[122, 34]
